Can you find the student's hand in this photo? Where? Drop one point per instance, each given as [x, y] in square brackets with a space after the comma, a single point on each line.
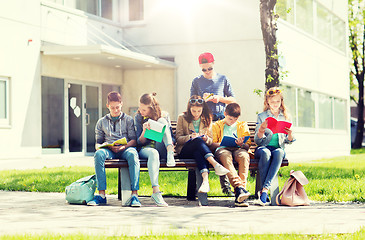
[215, 99]
[194, 135]
[263, 126]
[240, 141]
[290, 133]
[146, 125]
[204, 137]
[207, 96]
[118, 148]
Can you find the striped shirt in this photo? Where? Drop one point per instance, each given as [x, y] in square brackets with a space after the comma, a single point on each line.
[218, 86]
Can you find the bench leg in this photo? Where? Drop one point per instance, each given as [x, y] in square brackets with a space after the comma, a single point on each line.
[191, 191]
[125, 190]
[202, 197]
[274, 188]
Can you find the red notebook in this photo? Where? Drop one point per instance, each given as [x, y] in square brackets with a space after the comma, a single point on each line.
[277, 126]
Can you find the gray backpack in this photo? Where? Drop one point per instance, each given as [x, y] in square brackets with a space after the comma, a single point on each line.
[81, 191]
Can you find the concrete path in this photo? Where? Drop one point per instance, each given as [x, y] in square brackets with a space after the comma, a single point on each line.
[24, 212]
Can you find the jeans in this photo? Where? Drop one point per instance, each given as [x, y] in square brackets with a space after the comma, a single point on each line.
[130, 154]
[153, 163]
[270, 159]
[241, 156]
[198, 150]
[153, 154]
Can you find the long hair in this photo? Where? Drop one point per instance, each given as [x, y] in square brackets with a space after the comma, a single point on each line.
[152, 103]
[271, 92]
[206, 116]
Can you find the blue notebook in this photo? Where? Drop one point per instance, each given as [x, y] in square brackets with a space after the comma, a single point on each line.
[228, 141]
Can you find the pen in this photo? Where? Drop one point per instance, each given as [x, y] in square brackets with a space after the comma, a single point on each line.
[209, 96]
[235, 135]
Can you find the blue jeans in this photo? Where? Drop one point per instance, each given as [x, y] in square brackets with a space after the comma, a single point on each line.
[198, 150]
[270, 159]
[130, 154]
[153, 163]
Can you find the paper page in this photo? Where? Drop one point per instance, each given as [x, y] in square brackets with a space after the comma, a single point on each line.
[156, 126]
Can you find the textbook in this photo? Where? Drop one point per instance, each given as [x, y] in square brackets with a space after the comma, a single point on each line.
[277, 126]
[156, 131]
[122, 141]
[228, 141]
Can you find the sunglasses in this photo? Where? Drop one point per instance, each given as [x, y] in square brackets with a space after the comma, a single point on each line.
[209, 69]
[271, 92]
[196, 101]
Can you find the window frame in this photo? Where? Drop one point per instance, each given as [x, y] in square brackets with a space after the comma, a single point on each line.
[5, 122]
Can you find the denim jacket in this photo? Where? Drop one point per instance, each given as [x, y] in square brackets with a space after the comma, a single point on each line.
[265, 140]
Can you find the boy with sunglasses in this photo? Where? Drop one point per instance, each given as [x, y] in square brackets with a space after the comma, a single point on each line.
[229, 126]
[216, 90]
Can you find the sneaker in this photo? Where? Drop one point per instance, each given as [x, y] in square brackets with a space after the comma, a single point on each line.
[244, 203]
[97, 200]
[220, 170]
[263, 199]
[135, 201]
[157, 197]
[204, 188]
[170, 159]
[228, 192]
[241, 194]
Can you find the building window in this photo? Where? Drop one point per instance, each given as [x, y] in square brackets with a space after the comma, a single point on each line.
[306, 113]
[325, 111]
[136, 10]
[90, 6]
[290, 99]
[4, 101]
[102, 8]
[107, 9]
[315, 110]
[340, 114]
[315, 19]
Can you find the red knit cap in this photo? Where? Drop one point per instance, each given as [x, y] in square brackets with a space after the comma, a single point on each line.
[206, 58]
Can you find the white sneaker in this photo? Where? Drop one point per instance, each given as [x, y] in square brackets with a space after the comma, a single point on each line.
[157, 197]
[220, 170]
[204, 188]
[170, 159]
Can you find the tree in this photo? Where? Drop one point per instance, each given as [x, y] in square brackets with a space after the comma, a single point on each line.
[268, 29]
[356, 42]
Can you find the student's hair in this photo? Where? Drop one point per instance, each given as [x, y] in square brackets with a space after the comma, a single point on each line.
[206, 116]
[114, 97]
[233, 110]
[152, 103]
[271, 92]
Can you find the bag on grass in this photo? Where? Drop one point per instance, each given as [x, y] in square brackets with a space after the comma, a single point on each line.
[293, 193]
[81, 191]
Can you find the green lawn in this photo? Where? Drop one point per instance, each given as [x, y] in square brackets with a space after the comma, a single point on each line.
[359, 235]
[335, 180]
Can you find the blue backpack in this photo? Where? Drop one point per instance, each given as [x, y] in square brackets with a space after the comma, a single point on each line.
[81, 191]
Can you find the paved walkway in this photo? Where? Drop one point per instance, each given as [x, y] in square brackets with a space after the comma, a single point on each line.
[24, 212]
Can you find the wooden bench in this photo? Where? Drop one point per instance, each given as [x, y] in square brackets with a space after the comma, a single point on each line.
[194, 176]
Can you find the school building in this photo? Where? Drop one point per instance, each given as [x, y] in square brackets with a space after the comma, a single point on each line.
[59, 59]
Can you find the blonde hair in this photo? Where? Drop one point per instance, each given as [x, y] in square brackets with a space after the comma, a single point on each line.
[276, 91]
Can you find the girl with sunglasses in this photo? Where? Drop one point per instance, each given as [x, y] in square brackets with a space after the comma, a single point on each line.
[270, 147]
[194, 136]
[149, 108]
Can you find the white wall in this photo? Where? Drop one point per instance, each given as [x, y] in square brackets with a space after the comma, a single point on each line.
[20, 62]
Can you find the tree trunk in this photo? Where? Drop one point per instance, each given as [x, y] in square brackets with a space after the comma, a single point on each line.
[360, 116]
[268, 29]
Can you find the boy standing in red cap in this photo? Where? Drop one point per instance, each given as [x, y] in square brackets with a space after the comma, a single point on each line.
[216, 90]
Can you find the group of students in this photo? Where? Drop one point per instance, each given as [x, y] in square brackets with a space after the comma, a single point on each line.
[211, 114]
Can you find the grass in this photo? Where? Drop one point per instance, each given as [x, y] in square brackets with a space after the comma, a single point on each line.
[209, 236]
[334, 180]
